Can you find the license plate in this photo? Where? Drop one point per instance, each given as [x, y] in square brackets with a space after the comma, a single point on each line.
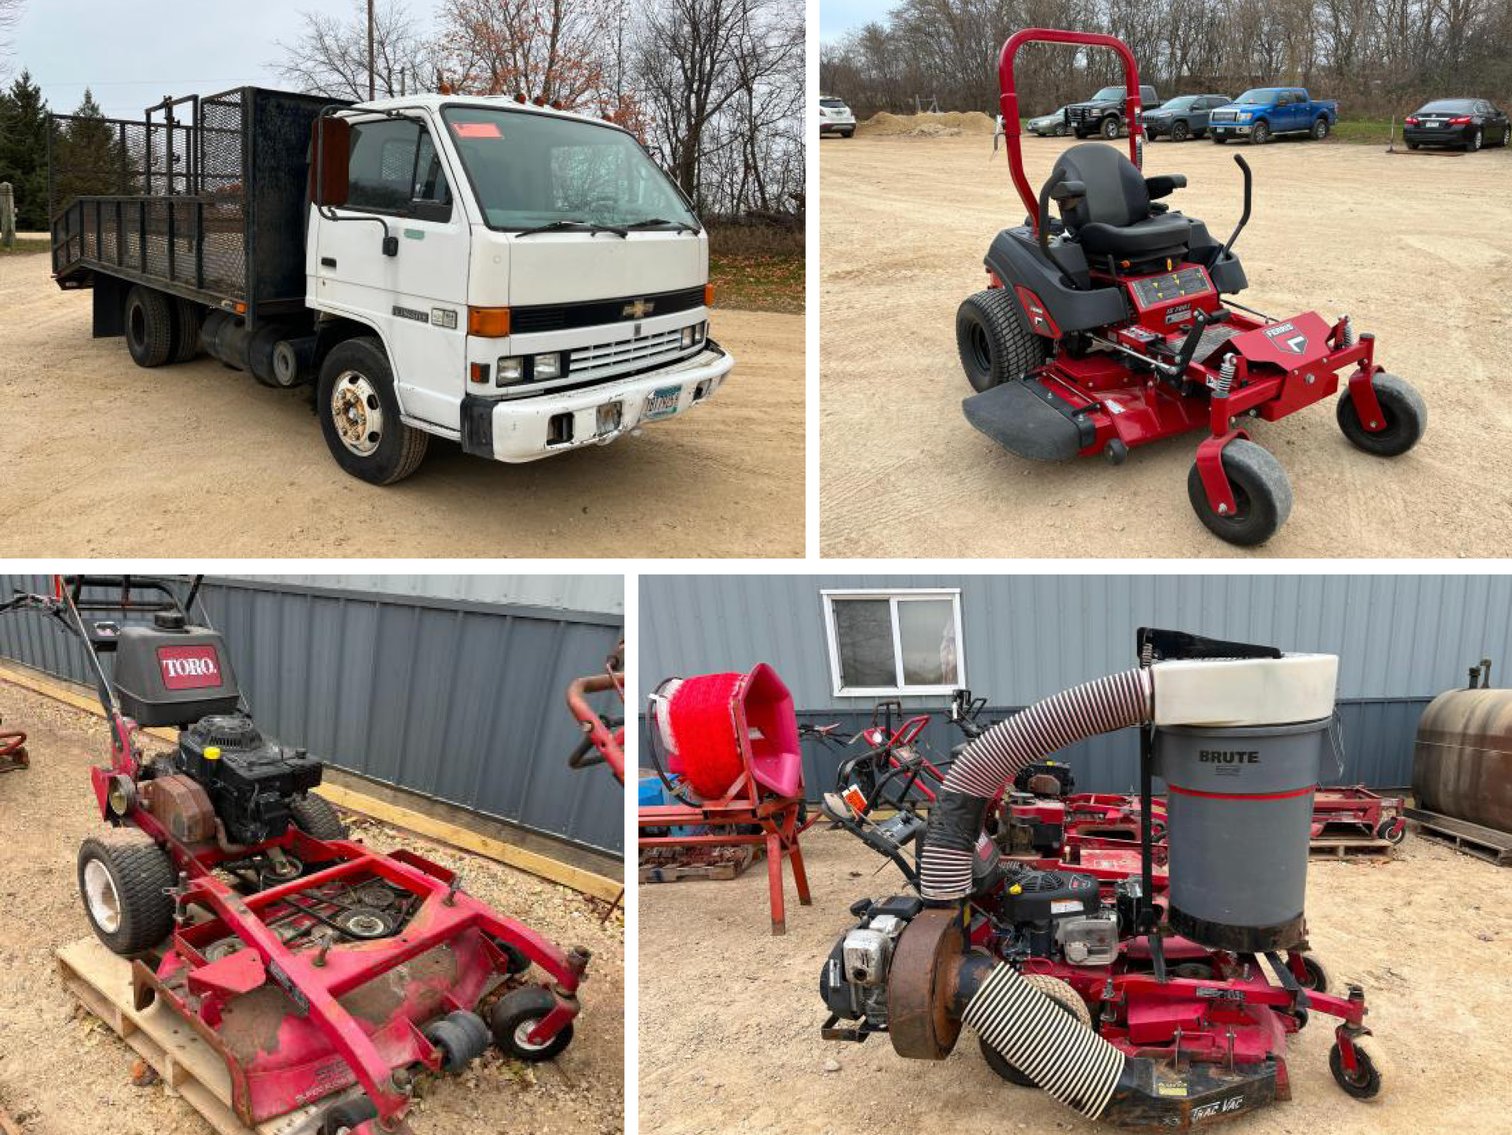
[663, 402]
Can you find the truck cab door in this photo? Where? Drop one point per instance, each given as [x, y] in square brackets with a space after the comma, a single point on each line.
[415, 300]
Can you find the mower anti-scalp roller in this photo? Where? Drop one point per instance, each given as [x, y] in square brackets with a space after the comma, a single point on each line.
[1106, 329]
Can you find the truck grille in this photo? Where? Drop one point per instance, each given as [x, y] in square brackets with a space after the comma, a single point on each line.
[604, 359]
[564, 317]
[1222, 116]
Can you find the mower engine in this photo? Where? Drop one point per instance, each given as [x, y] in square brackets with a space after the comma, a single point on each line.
[250, 781]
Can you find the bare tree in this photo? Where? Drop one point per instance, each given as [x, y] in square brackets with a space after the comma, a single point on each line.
[10, 13]
[330, 57]
[559, 51]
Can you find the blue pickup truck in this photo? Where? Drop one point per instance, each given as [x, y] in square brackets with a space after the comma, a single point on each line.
[1260, 114]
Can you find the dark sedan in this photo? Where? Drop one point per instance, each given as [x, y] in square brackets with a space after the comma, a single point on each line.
[1466, 123]
[1183, 117]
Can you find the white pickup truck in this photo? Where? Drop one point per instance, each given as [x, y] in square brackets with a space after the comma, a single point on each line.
[516, 278]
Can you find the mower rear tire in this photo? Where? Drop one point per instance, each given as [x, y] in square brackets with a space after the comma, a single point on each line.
[149, 326]
[1262, 495]
[515, 1014]
[1365, 1082]
[348, 1116]
[994, 345]
[314, 816]
[1406, 418]
[461, 1036]
[187, 316]
[124, 880]
[359, 414]
[1065, 997]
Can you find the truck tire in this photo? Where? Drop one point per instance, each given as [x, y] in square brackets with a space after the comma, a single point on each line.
[1109, 126]
[149, 326]
[187, 316]
[359, 415]
[1320, 128]
[1180, 131]
[1260, 133]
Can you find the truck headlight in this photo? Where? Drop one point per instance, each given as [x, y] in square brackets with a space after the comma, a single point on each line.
[689, 337]
[509, 371]
[548, 366]
[1243, 116]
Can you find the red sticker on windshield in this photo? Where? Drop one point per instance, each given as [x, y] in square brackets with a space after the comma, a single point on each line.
[477, 130]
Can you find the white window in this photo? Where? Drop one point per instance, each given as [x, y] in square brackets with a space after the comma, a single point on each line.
[894, 642]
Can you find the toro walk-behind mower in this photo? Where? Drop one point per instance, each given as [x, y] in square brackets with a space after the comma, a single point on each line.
[1109, 328]
[308, 962]
[1143, 1002]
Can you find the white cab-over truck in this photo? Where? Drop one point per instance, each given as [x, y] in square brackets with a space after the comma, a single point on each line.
[516, 278]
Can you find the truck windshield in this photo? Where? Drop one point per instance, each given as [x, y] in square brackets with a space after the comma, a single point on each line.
[1260, 96]
[1108, 94]
[532, 170]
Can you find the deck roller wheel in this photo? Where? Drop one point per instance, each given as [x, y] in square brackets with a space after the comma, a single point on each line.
[1365, 1081]
[347, 1116]
[514, 1016]
[1059, 992]
[1316, 980]
[921, 986]
[1392, 830]
[461, 1036]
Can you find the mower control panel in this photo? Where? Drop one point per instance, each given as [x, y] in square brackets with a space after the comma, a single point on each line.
[1156, 291]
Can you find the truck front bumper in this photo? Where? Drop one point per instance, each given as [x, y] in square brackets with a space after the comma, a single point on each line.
[529, 429]
[1229, 129]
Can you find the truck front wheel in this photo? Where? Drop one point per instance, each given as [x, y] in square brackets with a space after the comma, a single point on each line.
[1110, 126]
[359, 415]
[149, 326]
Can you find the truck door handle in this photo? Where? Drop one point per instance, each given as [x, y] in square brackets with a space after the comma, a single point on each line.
[328, 262]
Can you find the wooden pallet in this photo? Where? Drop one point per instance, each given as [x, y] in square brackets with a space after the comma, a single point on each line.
[725, 869]
[1340, 846]
[189, 1067]
[1473, 839]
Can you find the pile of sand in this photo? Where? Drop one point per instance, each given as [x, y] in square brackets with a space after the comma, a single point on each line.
[947, 125]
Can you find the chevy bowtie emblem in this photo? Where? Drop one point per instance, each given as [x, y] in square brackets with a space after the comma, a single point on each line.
[638, 310]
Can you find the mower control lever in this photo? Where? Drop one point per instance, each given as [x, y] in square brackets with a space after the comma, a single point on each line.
[1244, 218]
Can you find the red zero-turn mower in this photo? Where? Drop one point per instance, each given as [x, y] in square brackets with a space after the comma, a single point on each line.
[1107, 329]
[1147, 1000]
[307, 961]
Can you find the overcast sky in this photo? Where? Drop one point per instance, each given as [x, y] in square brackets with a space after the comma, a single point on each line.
[133, 52]
[836, 17]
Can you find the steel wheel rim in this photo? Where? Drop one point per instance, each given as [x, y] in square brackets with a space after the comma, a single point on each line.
[522, 1035]
[357, 413]
[101, 898]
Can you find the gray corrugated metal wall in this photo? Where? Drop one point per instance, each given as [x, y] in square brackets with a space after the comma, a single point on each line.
[1401, 640]
[602, 593]
[457, 699]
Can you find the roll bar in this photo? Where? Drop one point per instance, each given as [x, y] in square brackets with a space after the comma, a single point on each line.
[1008, 102]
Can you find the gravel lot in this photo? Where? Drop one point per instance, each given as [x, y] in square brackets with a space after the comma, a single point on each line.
[1418, 249]
[100, 457]
[730, 1016]
[64, 1073]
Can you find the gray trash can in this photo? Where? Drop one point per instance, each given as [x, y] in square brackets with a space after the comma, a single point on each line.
[1239, 818]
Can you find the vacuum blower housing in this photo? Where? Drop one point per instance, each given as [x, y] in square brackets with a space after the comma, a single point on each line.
[171, 673]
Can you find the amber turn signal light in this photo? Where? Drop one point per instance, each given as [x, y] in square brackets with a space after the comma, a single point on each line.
[488, 322]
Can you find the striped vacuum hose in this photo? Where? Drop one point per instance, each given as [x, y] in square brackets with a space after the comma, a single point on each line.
[1064, 1057]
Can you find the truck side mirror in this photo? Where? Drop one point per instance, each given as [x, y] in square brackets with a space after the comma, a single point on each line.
[332, 147]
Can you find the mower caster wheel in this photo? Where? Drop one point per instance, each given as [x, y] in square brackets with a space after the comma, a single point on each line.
[347, 1117]
[1406, 418]
[461, 1036]
[519, 1011]
[1316, 980]
[994, 345]
[1262, 495]
[124, 879]
[1393, 830]
[1116, 452]
[1365, 1082]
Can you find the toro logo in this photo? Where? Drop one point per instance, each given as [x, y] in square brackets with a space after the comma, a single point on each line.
[1295, 341]
[1229, 756]
[189, 667]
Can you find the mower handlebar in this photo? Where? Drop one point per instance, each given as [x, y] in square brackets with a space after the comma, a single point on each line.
[1245, 216]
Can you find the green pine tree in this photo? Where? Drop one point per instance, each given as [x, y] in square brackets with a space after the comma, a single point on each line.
[23, 150]
[88, 157]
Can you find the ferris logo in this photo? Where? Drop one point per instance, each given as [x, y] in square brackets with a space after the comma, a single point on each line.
[1294, 343]
[189, 667]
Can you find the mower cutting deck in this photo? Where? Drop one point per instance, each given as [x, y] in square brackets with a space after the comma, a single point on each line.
[307, 961]
[1106, 329]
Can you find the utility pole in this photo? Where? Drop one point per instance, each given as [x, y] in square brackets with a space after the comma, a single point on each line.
[372, 57]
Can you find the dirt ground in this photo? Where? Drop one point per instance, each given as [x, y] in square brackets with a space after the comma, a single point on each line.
[1417, 249]
[730, 1016]
[100, 457]
[62, 1072]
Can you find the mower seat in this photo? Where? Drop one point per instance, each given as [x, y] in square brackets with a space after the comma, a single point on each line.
[1114, 217]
